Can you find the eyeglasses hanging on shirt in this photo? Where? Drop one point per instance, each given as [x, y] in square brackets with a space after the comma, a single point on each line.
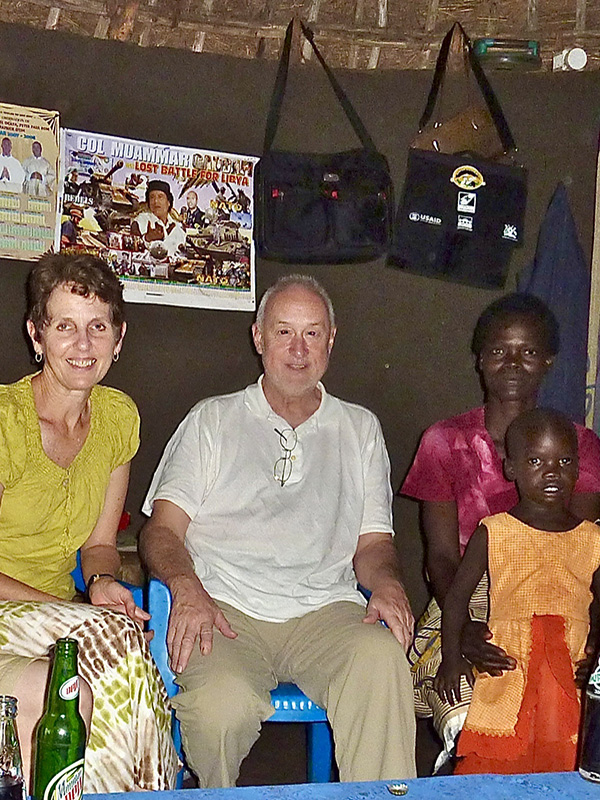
[283, 466]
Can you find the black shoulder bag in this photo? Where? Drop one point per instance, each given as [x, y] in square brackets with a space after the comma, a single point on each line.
[461, 214]
[321, 208]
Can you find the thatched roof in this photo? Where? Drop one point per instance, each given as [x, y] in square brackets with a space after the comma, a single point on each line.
[356, 34]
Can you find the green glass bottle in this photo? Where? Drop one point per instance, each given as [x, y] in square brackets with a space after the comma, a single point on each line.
[11, 768]
[60, 734]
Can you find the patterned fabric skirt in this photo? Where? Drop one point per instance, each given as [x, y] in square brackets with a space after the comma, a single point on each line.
[129, 746]
[425, 657]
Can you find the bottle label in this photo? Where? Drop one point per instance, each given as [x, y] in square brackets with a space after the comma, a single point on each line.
[69, 689]
[67, 784]
[594, 681]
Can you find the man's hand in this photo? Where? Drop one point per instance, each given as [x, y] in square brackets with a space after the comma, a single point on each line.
[194, 614]
[389, 603]
[479, 651]
[377, 568]
[109, 593]
[154, 233]
[447, 681]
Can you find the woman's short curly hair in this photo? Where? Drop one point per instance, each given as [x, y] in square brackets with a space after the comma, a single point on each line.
[517, 304]
[86, 275]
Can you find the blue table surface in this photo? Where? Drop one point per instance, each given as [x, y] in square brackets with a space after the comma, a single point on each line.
[567, 785]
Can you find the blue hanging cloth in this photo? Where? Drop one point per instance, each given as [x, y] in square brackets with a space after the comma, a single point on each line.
[560, 276]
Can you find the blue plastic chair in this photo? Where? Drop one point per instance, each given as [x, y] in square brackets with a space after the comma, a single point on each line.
[290, 704]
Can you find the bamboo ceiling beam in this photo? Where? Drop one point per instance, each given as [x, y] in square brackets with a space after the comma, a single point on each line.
[532, 15]
[580, 16]
[353, 51]
[382, 18]
[432, 14]
[199, 39]
[363, 38]
[52, 19]
[102, 26]
[362, 33]
[122, 19]
[265, 14]
[313, 13]
[91, 7]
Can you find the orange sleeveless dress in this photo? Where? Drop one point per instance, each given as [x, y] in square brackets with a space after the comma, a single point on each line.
[526, 720]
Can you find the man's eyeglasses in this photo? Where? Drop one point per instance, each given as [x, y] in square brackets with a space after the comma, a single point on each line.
[283, 466]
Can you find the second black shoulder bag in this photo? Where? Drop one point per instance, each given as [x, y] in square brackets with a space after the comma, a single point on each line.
[461, 214]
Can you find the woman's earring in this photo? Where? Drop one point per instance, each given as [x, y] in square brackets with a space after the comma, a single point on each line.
[39, 357]
[116, 356]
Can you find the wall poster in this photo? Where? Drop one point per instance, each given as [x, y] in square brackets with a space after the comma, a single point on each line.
[174, 223]
[29, 143]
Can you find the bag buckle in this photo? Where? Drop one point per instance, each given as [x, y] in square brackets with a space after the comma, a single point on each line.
[330, 189]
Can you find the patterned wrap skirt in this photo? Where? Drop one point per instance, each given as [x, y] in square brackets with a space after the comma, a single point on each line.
[129, 746]
[425, 657]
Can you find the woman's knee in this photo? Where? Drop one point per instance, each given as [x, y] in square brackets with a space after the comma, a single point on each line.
[86, 702]
[30, 689]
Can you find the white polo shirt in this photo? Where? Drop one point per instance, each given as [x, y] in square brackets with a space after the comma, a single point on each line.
[276, 552]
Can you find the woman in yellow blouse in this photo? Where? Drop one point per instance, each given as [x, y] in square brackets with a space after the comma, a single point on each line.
[65, 447]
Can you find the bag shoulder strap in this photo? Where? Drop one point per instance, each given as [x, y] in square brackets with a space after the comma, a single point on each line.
[506, 137]
[279, 90]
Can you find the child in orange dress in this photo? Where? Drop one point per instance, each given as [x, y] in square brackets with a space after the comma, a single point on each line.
[544, 569]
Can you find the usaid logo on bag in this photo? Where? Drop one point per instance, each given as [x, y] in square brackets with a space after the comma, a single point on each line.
[415, 216]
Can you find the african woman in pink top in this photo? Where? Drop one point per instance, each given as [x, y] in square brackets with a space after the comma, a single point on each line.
[457, 477]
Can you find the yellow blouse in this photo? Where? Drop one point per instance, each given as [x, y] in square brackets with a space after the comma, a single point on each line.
[47, 512]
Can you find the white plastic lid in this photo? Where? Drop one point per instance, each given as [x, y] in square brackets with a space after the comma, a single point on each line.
[577, 58]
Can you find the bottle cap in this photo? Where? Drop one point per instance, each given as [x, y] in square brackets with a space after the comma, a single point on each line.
[8, 705]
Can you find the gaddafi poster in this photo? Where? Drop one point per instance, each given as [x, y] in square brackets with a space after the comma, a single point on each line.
[174, 223]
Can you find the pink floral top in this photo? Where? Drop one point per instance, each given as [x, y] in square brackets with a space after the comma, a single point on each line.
[457, 460]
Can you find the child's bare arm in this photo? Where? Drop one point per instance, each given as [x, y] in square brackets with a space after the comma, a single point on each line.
[447, 680]
[585, 666]
[456, 613]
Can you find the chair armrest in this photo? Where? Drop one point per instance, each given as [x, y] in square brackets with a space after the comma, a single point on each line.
[158, 604]
[366, 593]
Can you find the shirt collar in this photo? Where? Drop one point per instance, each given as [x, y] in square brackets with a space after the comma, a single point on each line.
[257, 403]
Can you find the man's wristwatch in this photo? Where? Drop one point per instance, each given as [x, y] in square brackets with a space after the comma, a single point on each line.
[96, 576]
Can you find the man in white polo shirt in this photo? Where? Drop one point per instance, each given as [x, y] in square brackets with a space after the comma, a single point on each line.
[267, 506]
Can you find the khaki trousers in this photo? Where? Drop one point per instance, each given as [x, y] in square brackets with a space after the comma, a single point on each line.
[358, 672]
